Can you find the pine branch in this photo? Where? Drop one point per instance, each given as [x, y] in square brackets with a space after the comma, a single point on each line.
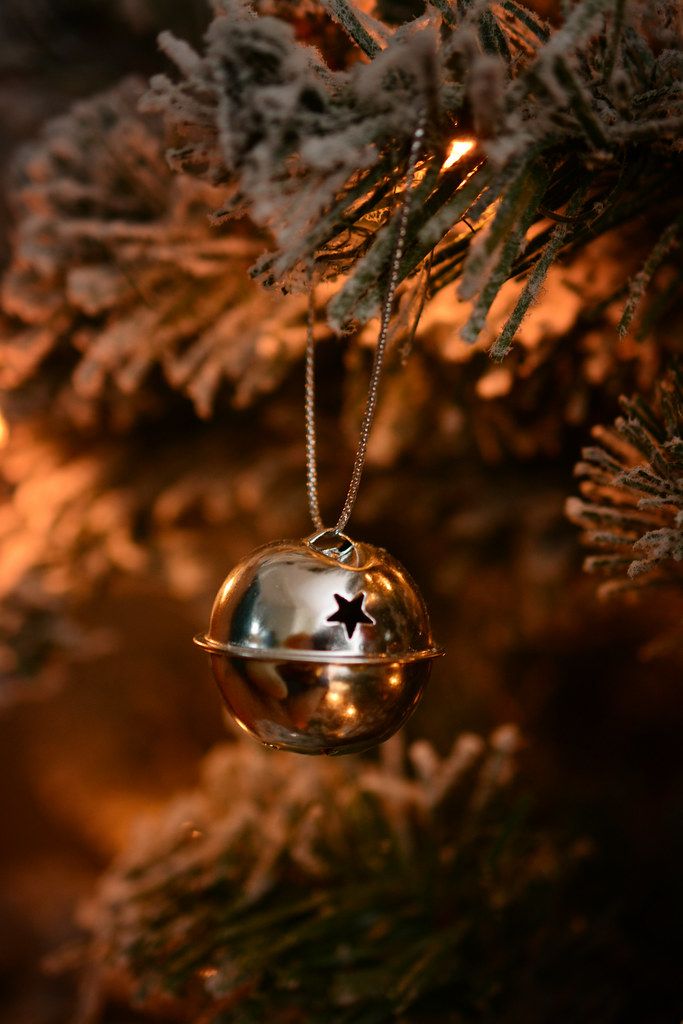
[669, 239]
[556, 242]
[118, 271]
[315, 135]
[614, 40]
[249, 898]
[350, 20]
[632, 491]
[503, 246]
[445, 9]
[527, 18]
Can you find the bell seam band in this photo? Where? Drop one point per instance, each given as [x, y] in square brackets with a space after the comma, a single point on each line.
[322, 657]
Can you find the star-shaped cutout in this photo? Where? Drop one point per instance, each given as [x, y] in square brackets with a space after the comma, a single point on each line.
[350, 613]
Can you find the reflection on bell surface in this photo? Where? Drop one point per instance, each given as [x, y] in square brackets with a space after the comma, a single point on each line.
[321, 646]
[321, 709]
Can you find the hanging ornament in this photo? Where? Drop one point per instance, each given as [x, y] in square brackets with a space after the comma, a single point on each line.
[323, 646]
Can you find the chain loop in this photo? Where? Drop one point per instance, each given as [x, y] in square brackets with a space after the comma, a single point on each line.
[377, 363]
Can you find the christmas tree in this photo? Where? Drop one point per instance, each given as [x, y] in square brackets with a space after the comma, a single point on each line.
[175, 222]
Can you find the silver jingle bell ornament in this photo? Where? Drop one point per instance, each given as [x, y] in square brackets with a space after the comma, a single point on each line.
[320, 646]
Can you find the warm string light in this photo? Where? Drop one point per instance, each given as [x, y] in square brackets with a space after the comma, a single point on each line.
[4, 431]
[458, 149]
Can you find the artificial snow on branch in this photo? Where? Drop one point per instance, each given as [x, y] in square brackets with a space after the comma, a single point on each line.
[632, 487]
[296, 888]
[576, 126]
[117, 270]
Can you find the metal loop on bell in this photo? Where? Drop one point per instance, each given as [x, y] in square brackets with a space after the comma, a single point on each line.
[332, 543]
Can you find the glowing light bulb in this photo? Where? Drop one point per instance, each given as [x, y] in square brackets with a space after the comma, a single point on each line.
[458, 149]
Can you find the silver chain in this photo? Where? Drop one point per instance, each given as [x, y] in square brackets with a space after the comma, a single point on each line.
[376, 372]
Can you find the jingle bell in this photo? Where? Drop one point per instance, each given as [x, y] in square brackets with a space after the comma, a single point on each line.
[321, 646]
